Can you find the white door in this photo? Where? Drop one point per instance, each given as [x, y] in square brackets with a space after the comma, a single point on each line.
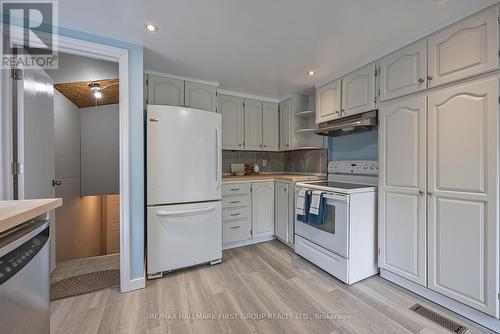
[35, 141]
[358, 91]
[183, 155]
[328, 101]
[231, 109]
[463, 135]
[270, 126]
[200, 96]
[282, 210]
[262, 209]
[183, 235]
[464, 49]
[165, 91]
[253, 125]
[404, 71]
[285, 125]
[402, 190]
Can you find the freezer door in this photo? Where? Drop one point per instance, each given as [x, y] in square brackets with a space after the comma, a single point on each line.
[184, 155]
[183, 235]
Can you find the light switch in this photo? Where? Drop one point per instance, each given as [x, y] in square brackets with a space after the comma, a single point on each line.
[264, 163]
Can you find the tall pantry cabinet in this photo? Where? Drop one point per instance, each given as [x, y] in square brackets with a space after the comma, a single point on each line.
[439, 152]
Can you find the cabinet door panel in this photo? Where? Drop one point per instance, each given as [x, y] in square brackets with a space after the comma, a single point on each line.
[270, 126]
[328, 101]
[201, 96]
[231, 109]
[464, 49]
[285, 125]
[282, 210]
[404, 71]
[463, 135]
[165, 91]
[358, 91]
[402, 209]
[262, 209]
[253, 125]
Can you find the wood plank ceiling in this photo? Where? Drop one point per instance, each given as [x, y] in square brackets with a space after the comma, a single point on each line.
[80, 94]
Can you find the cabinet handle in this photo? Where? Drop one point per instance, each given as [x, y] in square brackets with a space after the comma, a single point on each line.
[421, 80]
[234, 214]
[234, 202]
[234, 189]
[421, 193]
[234, 227]
[429, 193]
[429, 77]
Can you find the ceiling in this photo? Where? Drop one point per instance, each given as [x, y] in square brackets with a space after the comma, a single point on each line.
[264, 47]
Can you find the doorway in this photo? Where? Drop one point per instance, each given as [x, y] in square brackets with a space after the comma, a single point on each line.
[98, 51]
[86, 141]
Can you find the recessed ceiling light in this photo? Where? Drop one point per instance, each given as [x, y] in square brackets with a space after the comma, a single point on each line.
[151, 27]
[311, 73]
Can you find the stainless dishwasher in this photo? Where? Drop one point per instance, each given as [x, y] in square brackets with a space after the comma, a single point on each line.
[25, 280]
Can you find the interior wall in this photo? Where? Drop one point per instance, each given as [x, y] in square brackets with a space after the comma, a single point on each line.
[100, 150]
[72, 68]
[78, 221]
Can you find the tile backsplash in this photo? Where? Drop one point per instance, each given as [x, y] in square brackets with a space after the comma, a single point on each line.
[304, 161]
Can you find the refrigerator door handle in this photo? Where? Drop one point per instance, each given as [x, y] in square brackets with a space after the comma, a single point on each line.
[217, 172]
[183, 212]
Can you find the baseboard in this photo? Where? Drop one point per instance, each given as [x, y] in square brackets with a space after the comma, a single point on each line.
[137, 283]
[479, 317]
[247, 242]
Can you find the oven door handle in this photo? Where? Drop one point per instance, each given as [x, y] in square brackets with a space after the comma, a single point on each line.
[336, 197]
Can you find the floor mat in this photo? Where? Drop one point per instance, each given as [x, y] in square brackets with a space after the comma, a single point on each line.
[84, 283]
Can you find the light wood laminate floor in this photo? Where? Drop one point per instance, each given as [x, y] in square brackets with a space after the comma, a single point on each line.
[252, 285]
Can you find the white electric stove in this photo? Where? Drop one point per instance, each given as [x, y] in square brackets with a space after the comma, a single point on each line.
[344, 241]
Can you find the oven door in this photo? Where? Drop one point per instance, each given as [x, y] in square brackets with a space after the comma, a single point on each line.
[333, 233]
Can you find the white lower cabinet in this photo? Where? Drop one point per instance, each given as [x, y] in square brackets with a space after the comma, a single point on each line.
[262, 209]
[456, 181]
[247, 213]
[284, 211]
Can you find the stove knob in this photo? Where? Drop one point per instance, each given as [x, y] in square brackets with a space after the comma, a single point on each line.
[366, 166]
[372, 166]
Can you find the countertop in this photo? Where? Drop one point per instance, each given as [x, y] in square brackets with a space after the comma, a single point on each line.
[14, 213]
[272, 177]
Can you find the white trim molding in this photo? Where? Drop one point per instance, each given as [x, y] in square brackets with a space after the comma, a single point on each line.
[204, 82]
[248, 96]
[104, 52]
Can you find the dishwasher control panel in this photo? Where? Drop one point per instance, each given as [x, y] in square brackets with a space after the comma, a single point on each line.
[14, 261]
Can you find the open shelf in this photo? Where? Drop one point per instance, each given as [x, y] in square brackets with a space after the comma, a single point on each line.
[307, 113]
[305, 130]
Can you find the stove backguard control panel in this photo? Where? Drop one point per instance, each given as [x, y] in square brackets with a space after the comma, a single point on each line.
[357, 167]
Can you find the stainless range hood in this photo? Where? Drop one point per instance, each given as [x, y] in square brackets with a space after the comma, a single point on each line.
[366, 121]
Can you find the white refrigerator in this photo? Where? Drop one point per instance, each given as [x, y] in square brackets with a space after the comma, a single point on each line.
[184, 214]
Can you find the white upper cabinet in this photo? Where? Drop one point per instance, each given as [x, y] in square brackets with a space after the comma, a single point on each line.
[285, 110]
[402, 191]
[463, 130]
[328, 101]
[270, 126]
[358, 91]
[201, 96]
[262, 209]
[404, 71]
[231, 109]
[464, 49]
[165, 91]
[253, 125]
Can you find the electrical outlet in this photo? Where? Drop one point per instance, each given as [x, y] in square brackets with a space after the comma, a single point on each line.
[264, 163]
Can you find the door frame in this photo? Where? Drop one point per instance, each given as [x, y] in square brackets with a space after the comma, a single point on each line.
[97, 51]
